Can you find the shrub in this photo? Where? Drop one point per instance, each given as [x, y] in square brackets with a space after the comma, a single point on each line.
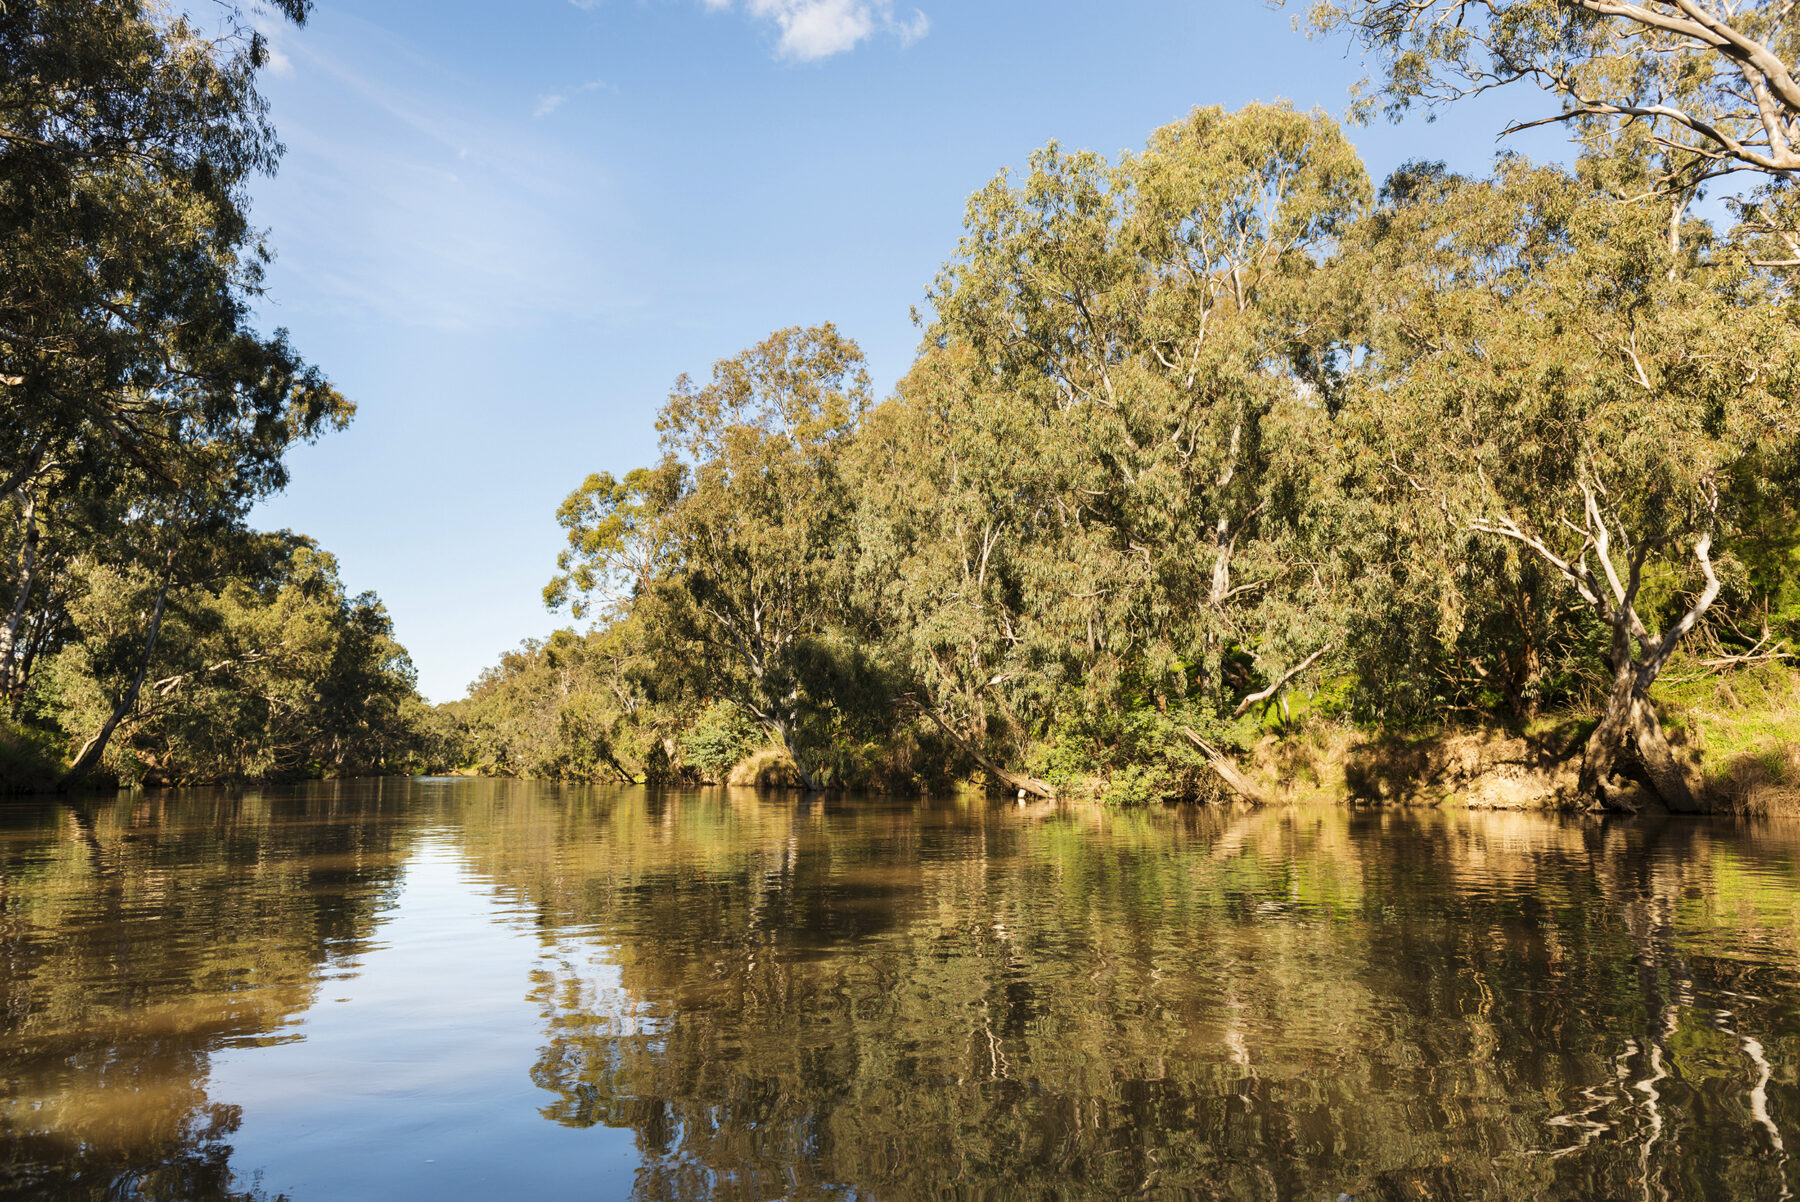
[31, 761]
[1132, 756]
[722, 735]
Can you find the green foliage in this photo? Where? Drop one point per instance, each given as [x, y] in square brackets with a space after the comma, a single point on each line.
[722, 734]
[616, 540]
[1665, 94]
[1137, 326]
[31, 760]
[1134, 755]
[728, 557]
[1751, 712]
[142, 415]
[571, 707]
[272, 673]
[1212, 438]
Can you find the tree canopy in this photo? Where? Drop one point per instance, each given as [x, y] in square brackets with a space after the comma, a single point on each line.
[142, 413]
[1189, 434]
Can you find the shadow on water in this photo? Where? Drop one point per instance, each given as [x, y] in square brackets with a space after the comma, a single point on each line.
[872, 999]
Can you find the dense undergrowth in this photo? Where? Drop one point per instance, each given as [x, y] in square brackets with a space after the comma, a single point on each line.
[1738, 729]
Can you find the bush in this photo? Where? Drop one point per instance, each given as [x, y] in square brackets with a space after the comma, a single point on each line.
[722, 735]
[31, 761]
[1133, 756]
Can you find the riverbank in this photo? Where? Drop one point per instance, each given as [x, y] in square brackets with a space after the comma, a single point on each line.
[1738, 736]
[37, 761]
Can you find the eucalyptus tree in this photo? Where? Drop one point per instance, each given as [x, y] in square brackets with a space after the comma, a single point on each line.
[1229, 218]
[569, 707]
[127, 138]
[177, 522]
[136, 392]
[737, 548]
[1141, 335]
[1548, 374]
[264, 668]
[1699, 89]
[957, 529]
[618, 539]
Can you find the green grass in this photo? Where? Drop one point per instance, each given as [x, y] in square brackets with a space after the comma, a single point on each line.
[1746, 725]
[1739, 713]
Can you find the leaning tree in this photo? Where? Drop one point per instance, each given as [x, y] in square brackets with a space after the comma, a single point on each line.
[1546, 372]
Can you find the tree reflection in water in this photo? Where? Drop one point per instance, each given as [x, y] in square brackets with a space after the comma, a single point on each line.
[834, 1002]
[882, 999]
[138, 938]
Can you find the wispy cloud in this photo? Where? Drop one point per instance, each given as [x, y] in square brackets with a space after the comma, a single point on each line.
[403, 200]
[549, 102]
[815, 29]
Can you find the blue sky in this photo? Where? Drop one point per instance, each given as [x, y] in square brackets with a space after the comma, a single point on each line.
[504, 229]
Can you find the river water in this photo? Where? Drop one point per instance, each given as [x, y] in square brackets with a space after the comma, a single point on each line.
[459, 989]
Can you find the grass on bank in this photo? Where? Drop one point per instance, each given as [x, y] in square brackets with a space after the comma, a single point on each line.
[1739, 729]
[1746, 727]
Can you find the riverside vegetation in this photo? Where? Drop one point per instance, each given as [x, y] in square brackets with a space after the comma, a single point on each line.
[1220, 470]
[146, 632]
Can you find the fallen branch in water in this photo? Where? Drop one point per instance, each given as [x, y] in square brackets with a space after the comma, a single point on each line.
[1228, 771]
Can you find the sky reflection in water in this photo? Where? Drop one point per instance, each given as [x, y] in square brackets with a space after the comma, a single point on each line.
[468, 989]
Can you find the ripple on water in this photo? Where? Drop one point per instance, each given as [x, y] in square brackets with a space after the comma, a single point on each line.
[474, 987]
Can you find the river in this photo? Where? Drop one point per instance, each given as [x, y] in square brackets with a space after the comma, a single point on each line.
[467, 989]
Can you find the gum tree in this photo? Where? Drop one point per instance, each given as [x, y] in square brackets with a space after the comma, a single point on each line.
[1119, 391]
[738, 545]
[1696, 89]
[137, 402]
[1545, 372]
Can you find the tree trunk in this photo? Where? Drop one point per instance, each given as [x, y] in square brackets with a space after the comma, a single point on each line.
[40, 634]
[95, 747]
[10, 684]
[1628, 727]
[1227, 771]
[1013, 780]
[613, 763]
[1524, 668]
[1629, 732]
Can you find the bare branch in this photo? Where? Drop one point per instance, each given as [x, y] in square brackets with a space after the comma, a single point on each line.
[1255, 699]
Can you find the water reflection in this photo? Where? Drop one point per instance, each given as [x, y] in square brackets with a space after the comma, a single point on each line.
[136, 941]
[881, 1000]
[908, 1002]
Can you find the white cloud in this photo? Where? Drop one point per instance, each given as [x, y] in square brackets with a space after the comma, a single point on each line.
[816, 29]
[813, 29]
[913, 28]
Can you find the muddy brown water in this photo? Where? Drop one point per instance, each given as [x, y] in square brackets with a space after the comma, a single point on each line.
[478, 989]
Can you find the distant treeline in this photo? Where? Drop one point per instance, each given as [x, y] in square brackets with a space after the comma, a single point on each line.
[146, 633]
[1195, 441]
